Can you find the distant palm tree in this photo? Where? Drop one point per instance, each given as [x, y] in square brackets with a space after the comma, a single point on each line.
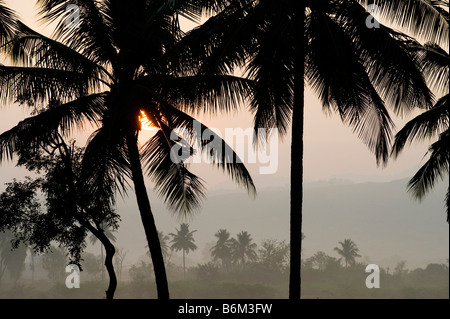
[108, 231]
[348, 251]
[435, 121]
[222, 249]
[243, 250]
[183, 240]
[165, 247]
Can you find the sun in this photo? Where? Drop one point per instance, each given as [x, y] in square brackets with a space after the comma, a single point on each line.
[146, 124]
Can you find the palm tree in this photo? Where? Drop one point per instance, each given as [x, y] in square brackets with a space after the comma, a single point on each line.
[183, 240]
[222, 249]
[348, 251]
[355, 70]
[243, 250]
[435, 121]
[114, 67]
[108, 231]
[164, 241]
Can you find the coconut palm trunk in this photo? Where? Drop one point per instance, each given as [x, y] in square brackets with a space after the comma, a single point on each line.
[148, 221]
[296, 213]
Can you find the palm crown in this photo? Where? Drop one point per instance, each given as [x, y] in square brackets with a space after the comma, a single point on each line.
[348, 251]
[357, 72]
[109, 69]
[435, 121]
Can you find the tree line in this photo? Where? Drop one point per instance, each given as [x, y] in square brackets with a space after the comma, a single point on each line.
[237, 265]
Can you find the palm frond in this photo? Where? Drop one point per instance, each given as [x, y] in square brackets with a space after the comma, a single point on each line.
[435, 63]
[92, 36]
[207, 93]
[40, 85]
[188, 9]
[202, 139]
[343, 85]
[31, 48]
[220, 45]
[194, 10]
[42, 129]
[105, 166]
[8, 22]
[425, 125]
[385, 54]
[423, 18]
[437, 166]
[272, 70]
[181, 190]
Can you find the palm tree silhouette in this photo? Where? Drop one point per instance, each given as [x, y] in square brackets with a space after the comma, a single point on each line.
[183, 240]
[108, 231]
[165, 248]
[435, 121]
[348, 251]
[243, 250]
[355, 70]
[222, 249]
[112, 68]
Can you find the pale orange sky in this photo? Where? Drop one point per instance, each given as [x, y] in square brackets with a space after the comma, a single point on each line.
[331, 149]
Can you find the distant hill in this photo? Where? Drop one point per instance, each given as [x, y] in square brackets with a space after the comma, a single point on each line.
[381, 218]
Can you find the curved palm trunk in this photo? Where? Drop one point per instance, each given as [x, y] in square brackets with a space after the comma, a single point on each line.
[110, 251]
[147, 217]
[296, 213]
[109, 254]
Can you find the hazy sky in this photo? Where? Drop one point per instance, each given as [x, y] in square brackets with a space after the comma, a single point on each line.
[331, 149]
